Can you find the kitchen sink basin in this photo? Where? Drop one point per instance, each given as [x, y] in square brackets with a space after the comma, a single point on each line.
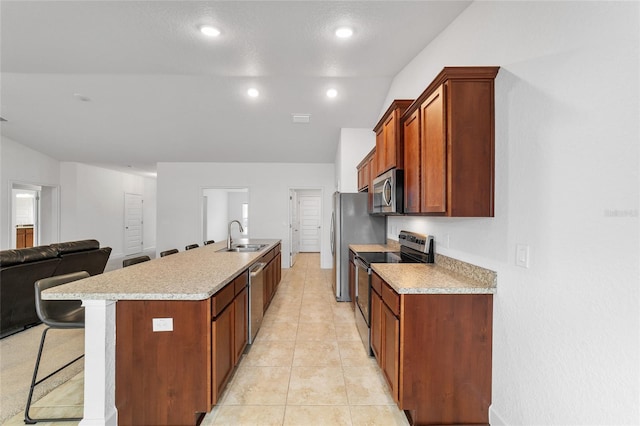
[242, 249]
[248, 246]
[245, 248]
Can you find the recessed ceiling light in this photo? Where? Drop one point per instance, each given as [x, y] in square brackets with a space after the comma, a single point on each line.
[344, 32]
[209, 31]
[253, 92]
[332, 93]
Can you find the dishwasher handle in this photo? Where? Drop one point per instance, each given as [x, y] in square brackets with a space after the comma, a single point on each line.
[256, 268]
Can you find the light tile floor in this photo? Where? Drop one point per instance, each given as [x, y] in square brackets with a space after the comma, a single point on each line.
[306, 367]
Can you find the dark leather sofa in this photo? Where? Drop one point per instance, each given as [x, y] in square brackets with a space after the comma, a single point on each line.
[21, 268]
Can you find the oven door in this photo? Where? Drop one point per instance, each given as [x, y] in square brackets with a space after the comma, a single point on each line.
[363, 303]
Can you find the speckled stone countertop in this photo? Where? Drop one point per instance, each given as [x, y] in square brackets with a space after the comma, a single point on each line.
[189, 275]
[446, 276]
[390, 246]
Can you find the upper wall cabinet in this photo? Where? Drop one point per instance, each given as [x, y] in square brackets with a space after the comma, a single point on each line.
[389, 151]
[448, 136]
[366, 168]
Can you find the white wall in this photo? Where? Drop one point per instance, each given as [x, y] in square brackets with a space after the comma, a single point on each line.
[217, 214]
[92, 201]
[24, 165]
[566, 329]
[180, 188]
[353, 146]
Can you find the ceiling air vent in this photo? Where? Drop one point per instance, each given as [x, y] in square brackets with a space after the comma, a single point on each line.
[301, 118]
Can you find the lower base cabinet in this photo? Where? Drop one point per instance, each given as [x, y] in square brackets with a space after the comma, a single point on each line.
[435, 353]
[175, 377]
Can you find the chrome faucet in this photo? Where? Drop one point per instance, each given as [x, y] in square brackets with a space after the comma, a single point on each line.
[229, 240]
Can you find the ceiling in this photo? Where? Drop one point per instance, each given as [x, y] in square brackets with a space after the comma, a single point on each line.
[127, 84]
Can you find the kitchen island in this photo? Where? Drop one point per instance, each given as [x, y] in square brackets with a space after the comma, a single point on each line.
[162, 337]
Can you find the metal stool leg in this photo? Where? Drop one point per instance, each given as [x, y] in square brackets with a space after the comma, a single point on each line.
[27, 418]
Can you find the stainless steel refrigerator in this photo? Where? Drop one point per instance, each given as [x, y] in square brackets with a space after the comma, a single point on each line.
[351, 224]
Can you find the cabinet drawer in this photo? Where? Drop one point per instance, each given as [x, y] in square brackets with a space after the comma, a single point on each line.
[376, 283]
[221, 299]
[240, 282]
[391, 298]
[268, 257]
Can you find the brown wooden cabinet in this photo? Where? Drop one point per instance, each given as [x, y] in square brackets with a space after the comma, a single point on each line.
[174, 377]
[389, 148]
[24, 237]
[376, 316]
[366, 171]
[272, 273]
[435, 353]
[222, 350]
[450, 127]
[412, 161]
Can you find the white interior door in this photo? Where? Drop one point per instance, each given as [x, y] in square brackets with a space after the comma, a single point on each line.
[132, 224]
[294, 227]
[310, 212]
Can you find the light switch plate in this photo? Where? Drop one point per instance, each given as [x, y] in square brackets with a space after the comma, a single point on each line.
[522, 255]
[162, 324]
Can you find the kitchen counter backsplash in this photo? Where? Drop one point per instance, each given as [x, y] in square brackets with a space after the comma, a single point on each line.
[477, 273]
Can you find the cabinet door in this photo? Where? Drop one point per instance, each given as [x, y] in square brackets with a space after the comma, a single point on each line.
[391, 349]
[412, 163]
[376, 326]
[391, 144]
[380, 151]
[223, 351]
[434, 162]
[241, 318]
[373, 173]
[352, 284]
[361, 178]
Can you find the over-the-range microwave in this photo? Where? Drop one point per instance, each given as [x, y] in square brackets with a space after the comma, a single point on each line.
[388, 193]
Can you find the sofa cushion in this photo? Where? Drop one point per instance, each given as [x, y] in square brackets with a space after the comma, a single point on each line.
[26, 255]
[10, 257]
[76, 246]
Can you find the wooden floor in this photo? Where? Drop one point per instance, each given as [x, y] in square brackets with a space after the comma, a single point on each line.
[307, 366]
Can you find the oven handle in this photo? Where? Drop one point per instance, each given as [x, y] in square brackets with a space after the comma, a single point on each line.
[360, 264]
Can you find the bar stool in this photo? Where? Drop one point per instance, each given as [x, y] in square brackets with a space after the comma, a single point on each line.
[191, 246]
[168, 252]
[135, 260]
[57, 314]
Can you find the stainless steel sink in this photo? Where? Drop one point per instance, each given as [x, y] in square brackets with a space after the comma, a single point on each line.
[245, 248]
[241, 249]
[249, 246]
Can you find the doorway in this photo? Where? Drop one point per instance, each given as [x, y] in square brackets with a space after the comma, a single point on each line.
[219, 207]
[132, 224]
[34, 215]
[305, 221]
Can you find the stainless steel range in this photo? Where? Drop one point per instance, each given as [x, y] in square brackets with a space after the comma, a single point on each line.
[414, 248]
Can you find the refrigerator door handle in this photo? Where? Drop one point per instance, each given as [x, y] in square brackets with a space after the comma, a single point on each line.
[333, 237]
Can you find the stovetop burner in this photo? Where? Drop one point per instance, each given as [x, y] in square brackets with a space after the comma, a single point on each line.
[385, 257]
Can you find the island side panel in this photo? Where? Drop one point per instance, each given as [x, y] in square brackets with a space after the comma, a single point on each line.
[162, 377]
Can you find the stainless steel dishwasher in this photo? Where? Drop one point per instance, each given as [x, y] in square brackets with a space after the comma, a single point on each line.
[256, 298]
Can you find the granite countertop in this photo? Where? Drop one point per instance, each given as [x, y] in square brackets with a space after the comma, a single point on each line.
[445, 276]
[189, 275]
[364, 248]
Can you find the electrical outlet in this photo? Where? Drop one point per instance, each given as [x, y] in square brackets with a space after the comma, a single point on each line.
[522, 255]
[162, 324]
